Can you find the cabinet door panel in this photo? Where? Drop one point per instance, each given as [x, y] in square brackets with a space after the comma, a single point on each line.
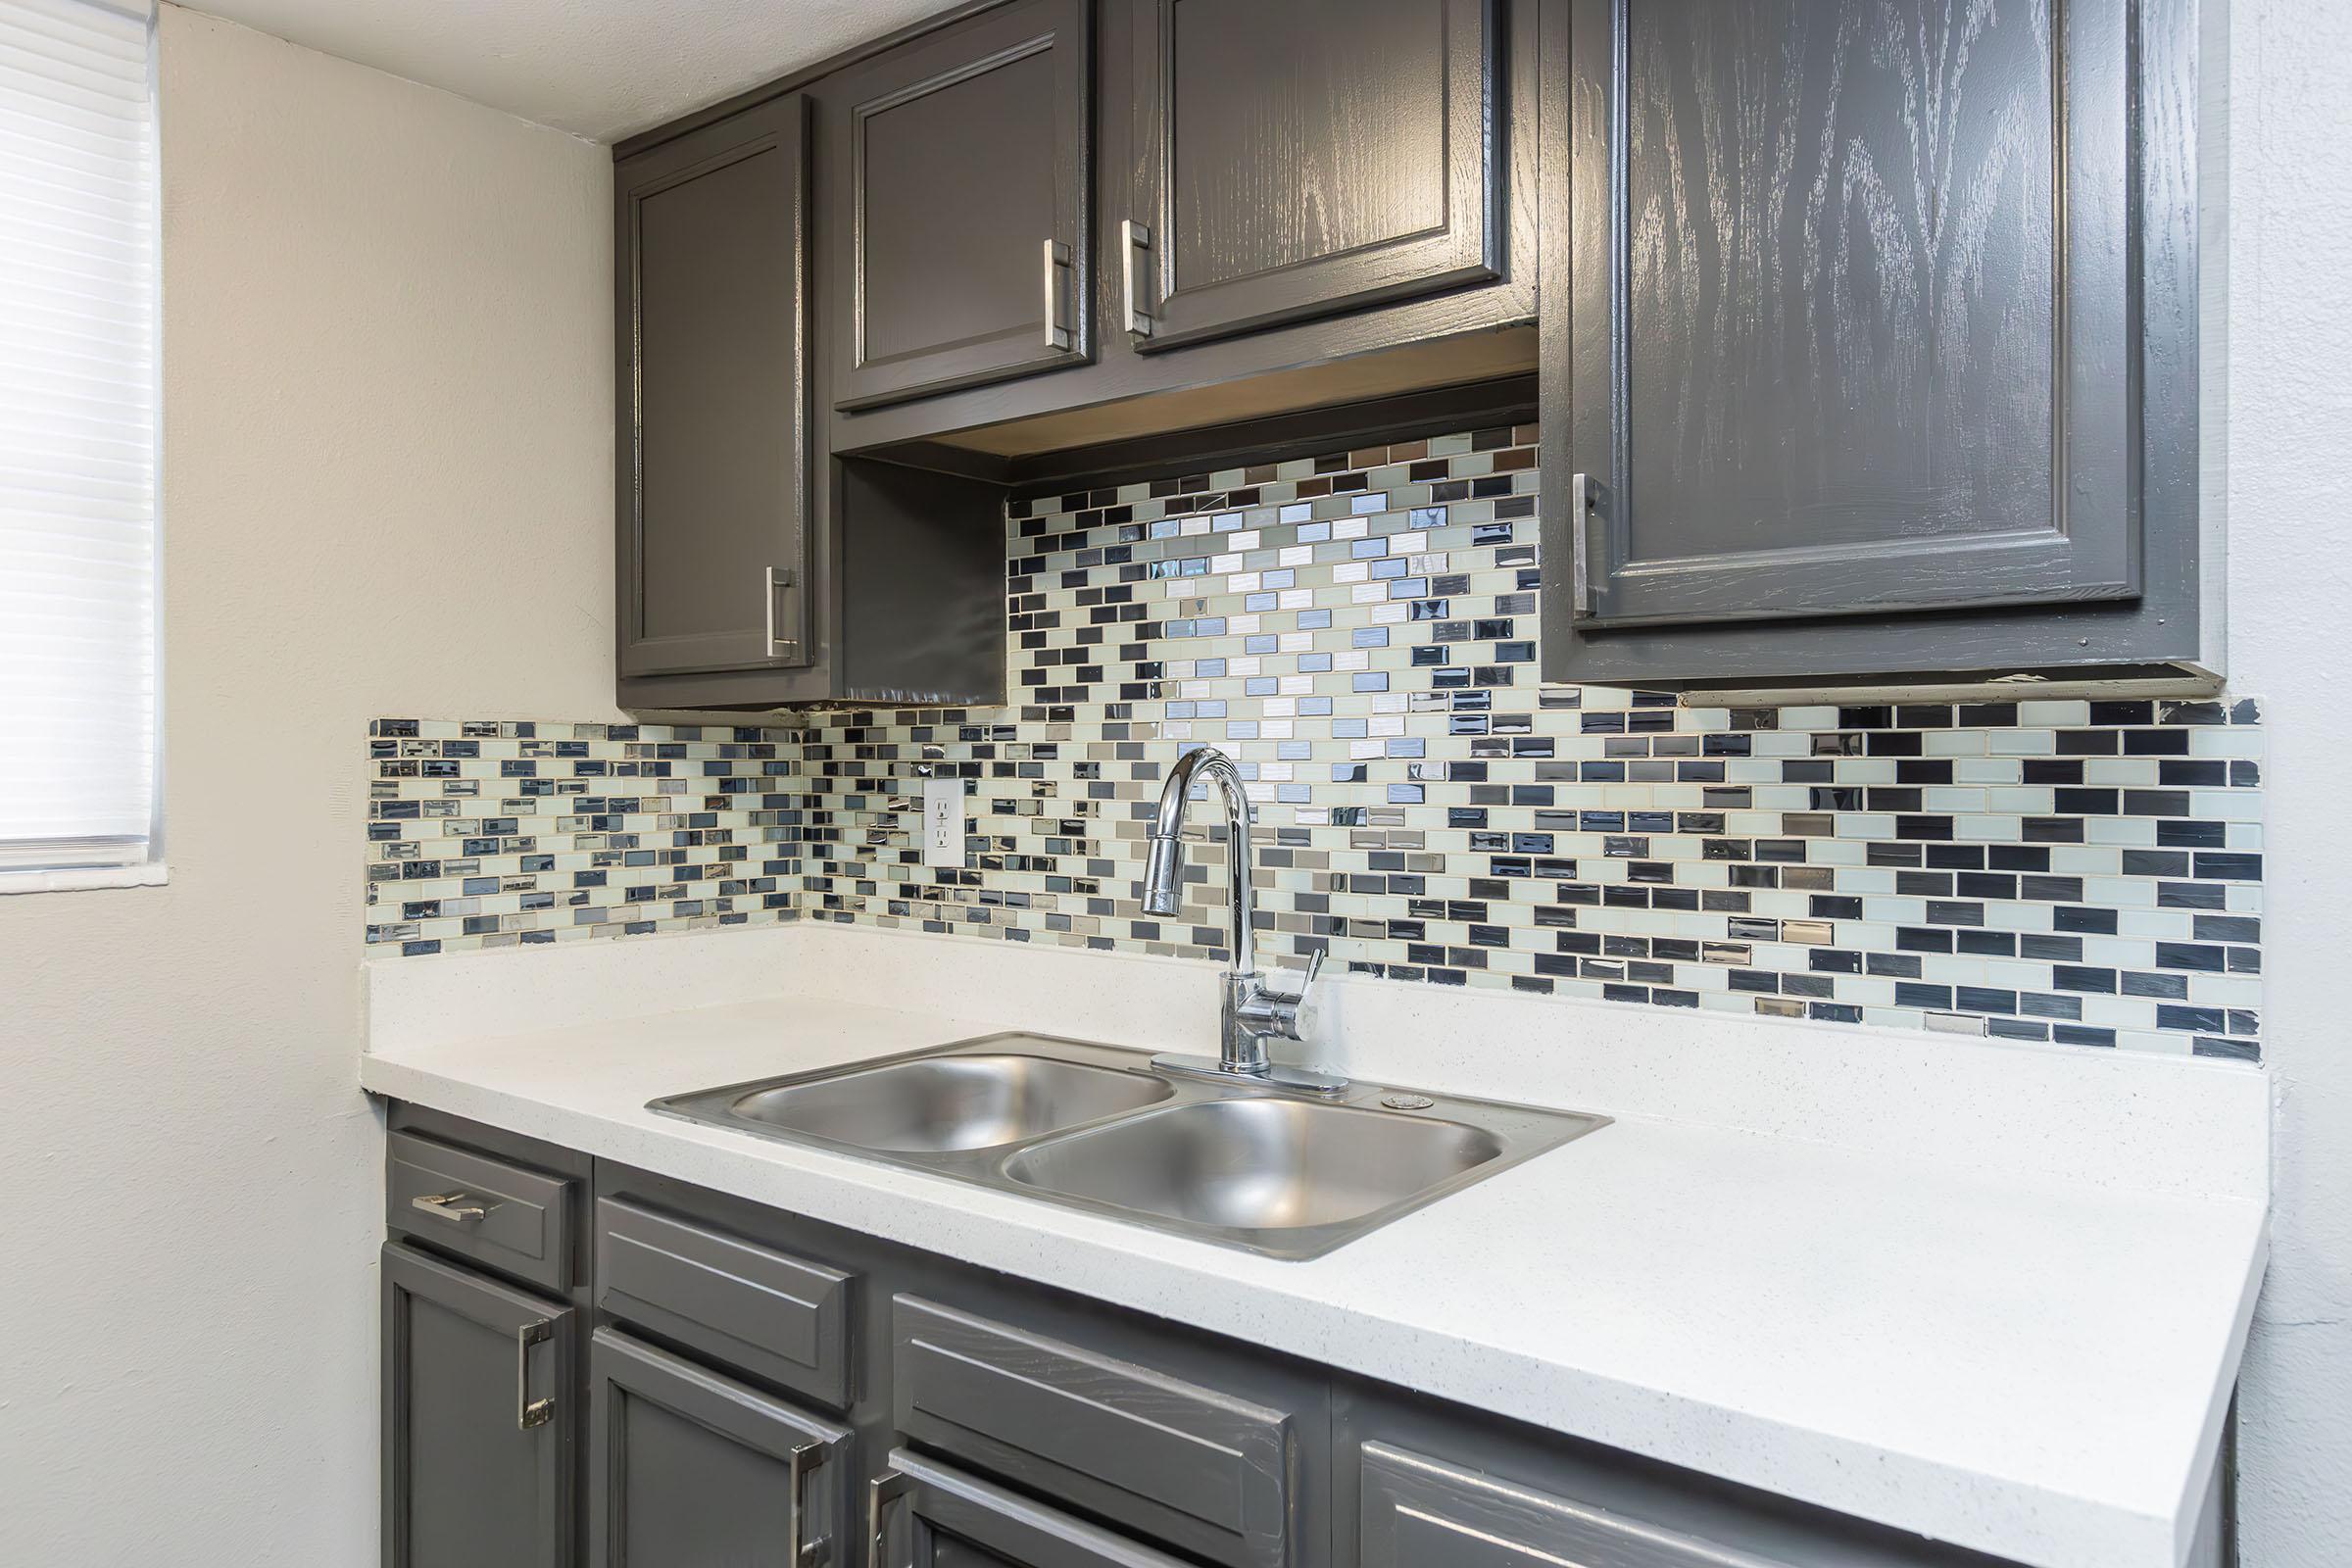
[476, 1469]
[1851, 296]
[693, 1470]
[961, 164]
[922, 1514]
[712, 235]
[1300, 158]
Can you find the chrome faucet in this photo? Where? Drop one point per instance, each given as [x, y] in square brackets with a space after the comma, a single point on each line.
[1255, 1012]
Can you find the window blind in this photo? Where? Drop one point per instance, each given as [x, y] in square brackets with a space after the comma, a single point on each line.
[79, 293]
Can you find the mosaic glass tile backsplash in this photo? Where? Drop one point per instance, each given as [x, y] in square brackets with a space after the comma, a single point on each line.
[1359, 631]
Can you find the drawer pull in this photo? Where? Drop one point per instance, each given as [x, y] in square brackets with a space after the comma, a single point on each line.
[530, 1412]
[451, 1206]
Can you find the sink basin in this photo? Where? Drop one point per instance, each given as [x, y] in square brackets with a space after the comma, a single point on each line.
[1098, 1128]
[952, 1102]
[1257, 1164]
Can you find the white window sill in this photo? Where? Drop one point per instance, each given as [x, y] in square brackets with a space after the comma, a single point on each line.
[81, 878]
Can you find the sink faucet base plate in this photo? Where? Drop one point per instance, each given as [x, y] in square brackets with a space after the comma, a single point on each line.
[1293, 1080]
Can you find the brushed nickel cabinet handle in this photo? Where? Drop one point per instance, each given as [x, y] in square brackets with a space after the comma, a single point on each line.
[530, 1412]
[780, 583]
[883, 1491]
[1580, 548]
[451, 1206]
[1057, 321]
[798, 1550]
[1135, 247]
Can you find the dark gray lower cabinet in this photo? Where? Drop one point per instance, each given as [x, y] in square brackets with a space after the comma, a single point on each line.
[690, 1469]
[764, 1391]
[478, 1426]
[926, 1515]
[1193, 1466]
[1418, 1511]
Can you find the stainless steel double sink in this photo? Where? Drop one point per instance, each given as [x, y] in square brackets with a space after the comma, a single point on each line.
[1095, 1127]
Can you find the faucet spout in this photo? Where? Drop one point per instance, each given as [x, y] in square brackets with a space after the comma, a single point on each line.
[1254, 1012]
[1164, 866]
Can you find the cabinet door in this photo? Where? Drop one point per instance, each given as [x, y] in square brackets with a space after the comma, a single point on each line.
[922, 1514]
[959, 205]
[1851, 309]
[1301, 158]
[1418, 1513]
[689, 1469]
[711, 239]
[478, 1420]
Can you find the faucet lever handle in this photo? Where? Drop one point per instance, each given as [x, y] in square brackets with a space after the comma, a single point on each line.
[1284, 1005]
[1314, 968]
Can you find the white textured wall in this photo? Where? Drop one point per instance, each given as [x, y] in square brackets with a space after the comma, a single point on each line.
[2290, 584]
[386, 489]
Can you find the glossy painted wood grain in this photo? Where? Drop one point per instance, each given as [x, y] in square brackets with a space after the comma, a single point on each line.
[1314, 157]
[1858, 362]
[1840, 292]
[1809, 374]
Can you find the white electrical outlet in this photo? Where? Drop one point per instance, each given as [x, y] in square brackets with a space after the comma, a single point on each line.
[943, 822]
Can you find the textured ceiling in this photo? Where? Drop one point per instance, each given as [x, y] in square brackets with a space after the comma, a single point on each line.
[601, 69]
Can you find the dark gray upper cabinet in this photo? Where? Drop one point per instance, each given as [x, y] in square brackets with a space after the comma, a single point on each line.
[960, 166]
[1301, 158]
[688, 1467]
[711, 237]
[1851, 325]
[478, 1420]
[1855, 317]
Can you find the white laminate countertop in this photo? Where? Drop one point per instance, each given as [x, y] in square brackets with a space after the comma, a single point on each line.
[2028, 1365]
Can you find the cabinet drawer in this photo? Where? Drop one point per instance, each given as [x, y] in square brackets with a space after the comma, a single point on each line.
[1192, 1466]
[752, 1307]
[1417, 1511]
[501, 1215]
[925, 1515]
